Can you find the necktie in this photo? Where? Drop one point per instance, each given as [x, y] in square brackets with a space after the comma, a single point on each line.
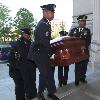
[80, 30]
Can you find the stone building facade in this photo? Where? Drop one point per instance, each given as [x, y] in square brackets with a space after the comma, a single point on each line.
[91, 8]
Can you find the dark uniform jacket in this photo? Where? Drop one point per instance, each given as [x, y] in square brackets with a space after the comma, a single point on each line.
[83, 34]
[19, 52]
[42, 36]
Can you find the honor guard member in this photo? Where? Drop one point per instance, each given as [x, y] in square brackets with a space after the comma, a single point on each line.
[63, 70]
[22, 70]
[83, 33]
[42, 53]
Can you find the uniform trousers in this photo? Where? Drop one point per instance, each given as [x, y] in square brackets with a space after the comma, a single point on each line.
[80, 70]
[24, 78]
[63, 74]
[46, 78]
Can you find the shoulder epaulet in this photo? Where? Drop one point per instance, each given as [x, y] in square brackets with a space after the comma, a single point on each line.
[46, 22]
[18, 39]
[13, 43]
[75, 28]
[88, 28]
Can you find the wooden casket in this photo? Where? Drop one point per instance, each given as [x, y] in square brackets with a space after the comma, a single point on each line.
[67, 50]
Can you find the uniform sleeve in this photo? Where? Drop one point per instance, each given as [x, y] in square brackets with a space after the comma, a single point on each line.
[71, 32]
[12, 62]
[88, 39]
[41, 39]
[11, 58]
[31, 51]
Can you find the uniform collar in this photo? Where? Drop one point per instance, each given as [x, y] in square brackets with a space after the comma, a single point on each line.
[46, 20]
[79, 28]
[25, 40]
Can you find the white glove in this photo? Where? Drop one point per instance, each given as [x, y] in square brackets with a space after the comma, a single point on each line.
[52, 57]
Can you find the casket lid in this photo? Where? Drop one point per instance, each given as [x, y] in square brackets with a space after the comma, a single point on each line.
[58, 39]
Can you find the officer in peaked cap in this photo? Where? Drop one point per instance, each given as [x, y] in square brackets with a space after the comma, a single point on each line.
[83, 33]
[63, 33]
[63, 70]
[26, 31]
[82, 17]
[22, 70]
[42, 53]
[82, 21]
[50, 7]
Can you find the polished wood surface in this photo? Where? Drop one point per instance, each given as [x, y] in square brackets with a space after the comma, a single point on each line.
[67, 50]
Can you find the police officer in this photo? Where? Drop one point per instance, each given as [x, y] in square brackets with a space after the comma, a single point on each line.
[63, 70]
[42, 52]
[21, 70]
[83, 33]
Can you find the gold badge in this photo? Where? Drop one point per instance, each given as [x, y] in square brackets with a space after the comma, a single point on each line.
[85, 33]
[47, 33]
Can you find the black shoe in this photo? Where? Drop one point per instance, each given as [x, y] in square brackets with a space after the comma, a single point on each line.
[28, 99]
[53, 97]
[40, 97]
[32, 97]
[64, 83]
[60, 85]
[77, 83]
[83, 80]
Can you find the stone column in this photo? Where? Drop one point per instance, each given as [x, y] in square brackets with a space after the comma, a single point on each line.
[96, 20]
[96, 29]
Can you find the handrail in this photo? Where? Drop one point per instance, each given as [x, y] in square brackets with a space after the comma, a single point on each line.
[94, 51]
[88, 13]
[97, 44]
